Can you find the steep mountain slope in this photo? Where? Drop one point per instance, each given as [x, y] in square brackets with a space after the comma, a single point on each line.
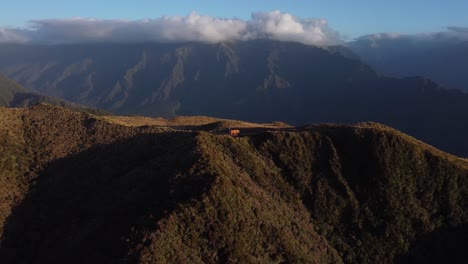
[444, 61]
[187, 78]
[110, 189]
[258, 81]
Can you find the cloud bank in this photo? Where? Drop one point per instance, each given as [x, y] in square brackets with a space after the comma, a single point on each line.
[451, 34]
[273, 25]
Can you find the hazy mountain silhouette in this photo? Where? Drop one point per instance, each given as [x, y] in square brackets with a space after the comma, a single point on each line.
[444, 61]
[79, 188]
[8, 89]
[14, 95]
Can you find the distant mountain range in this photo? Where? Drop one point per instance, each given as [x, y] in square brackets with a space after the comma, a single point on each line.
[259, 81]
[442, 60]
[80, 188]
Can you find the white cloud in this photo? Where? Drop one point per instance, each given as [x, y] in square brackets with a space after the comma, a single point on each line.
[274, 25]
[13, 35]
[454, 34]
[286, 27]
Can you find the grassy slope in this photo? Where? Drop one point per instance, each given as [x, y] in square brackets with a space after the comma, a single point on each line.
[14, 161]
[100, 191]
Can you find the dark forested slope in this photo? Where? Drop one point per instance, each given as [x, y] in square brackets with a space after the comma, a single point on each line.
[102, 190]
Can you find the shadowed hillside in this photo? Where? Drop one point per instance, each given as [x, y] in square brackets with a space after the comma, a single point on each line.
[79, 188]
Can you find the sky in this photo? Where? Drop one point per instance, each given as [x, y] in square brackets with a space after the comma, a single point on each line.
[347, 18]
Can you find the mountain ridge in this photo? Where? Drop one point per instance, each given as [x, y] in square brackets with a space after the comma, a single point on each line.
[256, 81]
[133, 192]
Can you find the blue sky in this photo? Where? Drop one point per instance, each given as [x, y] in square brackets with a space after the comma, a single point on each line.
[351, 18]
